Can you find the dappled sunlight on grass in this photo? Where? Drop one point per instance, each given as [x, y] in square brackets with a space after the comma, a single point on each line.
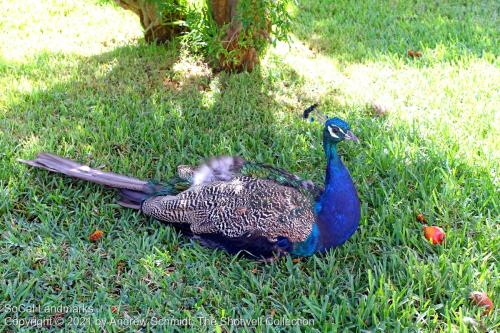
[320, 72]
[446, 97]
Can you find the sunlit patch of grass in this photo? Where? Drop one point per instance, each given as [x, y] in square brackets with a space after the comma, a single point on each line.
[385, 30]
[83, 28]
[76, 80]
[441, 96]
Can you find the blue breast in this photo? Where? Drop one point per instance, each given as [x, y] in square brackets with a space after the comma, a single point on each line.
[338, 208]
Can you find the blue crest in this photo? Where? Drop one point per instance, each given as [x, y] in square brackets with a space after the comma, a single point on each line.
[335, 121]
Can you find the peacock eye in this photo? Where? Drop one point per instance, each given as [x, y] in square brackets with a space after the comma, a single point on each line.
[334, 131]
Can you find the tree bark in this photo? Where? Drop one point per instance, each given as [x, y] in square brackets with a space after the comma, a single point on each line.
[225, 14]
[156, 30]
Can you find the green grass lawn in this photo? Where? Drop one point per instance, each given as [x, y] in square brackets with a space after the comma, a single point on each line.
[76, 79]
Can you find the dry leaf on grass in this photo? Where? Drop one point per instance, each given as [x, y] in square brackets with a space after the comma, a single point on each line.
[379, 109]
[421, 218]
[96, 235]
[481, 299]
[414, 54]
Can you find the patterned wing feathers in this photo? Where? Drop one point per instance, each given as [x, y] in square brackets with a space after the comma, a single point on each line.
[240, 206]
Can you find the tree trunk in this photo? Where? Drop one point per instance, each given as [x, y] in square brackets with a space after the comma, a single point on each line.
[160, 26]
[156, 29]
[225, 15]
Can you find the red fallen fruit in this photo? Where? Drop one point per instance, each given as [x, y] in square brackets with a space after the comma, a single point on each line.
[434, 234]
[481, 299]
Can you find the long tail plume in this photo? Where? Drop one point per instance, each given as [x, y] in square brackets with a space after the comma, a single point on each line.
[132, 190]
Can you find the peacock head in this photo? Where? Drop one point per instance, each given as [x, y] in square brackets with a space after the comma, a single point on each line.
[337, 130]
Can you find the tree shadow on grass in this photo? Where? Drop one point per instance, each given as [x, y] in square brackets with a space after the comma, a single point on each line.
[371, 30]
[139, 111]
[131, 98]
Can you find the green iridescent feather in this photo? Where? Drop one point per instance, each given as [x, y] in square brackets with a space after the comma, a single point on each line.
[282, 177]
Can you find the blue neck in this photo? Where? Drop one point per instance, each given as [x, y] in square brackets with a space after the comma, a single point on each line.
[338, 209]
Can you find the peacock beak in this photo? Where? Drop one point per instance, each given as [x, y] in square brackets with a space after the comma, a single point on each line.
[350, 136]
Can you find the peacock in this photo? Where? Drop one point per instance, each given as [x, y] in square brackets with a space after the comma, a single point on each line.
[242, 206]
